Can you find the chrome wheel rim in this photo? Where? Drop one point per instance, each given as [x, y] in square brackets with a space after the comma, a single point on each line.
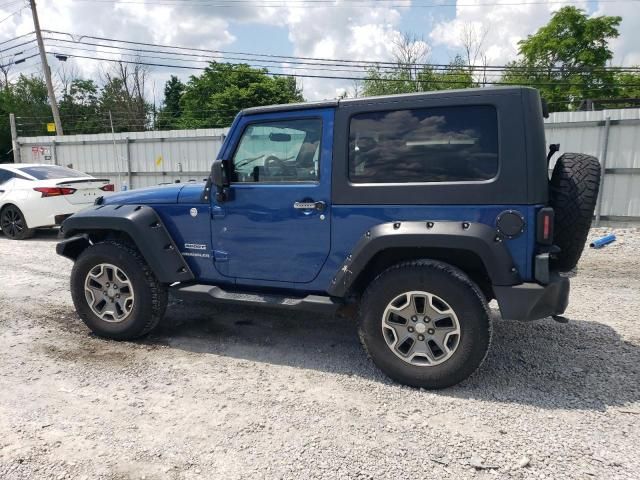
[421, 328]
[109, 293]
[12, 223]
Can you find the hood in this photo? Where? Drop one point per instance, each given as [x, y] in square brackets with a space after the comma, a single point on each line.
[148, 196]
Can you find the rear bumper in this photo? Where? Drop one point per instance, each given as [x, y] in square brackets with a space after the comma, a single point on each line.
[50, 213]
[531, 301]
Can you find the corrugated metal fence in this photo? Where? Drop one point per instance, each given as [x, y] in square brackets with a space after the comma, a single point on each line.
[134, 159]
[613, 136]
[139, 159]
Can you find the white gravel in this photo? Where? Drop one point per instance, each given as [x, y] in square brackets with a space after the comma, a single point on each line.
[244, 393]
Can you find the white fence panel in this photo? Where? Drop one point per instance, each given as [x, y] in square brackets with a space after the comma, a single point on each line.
[135, 159]
[587, 132]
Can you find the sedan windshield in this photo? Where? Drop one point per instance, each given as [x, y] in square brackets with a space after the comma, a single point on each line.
[52, 172]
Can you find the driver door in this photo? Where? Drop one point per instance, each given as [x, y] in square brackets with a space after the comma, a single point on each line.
[275, 225]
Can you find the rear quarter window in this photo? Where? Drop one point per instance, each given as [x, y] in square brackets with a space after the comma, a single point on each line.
[440, 144]
[5, 176]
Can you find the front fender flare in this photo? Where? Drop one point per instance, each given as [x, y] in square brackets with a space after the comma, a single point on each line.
[141, 223]
[478, 238]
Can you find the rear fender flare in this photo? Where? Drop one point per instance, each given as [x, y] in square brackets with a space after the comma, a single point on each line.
[478, 238]
[141, 223]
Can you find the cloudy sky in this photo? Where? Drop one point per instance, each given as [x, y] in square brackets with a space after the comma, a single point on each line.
[346, 29]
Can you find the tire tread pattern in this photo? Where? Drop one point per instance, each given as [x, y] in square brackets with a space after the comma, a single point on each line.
[574, 187]
[455, 273]
[159, 296]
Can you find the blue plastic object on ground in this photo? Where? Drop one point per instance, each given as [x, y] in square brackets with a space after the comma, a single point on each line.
[602, 241]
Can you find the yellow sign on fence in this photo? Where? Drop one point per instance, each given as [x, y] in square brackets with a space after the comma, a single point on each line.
[51, 127]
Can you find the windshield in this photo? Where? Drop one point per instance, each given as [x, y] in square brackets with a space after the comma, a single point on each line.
[51, 172]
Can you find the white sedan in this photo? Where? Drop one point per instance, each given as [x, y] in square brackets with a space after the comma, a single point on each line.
[33, 196]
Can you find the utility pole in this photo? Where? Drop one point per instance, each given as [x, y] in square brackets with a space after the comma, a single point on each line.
[14, 139]
[47, 70]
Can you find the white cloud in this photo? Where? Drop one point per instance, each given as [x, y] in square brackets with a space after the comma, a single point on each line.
[346, 32]
[626, 48]
[505, 25]
[352, 33]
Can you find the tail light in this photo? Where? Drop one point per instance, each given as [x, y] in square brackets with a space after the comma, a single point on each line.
[54, 191]
[544, 228]
[110, 187]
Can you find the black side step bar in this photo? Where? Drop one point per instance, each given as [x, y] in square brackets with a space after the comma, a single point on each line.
[313, 303]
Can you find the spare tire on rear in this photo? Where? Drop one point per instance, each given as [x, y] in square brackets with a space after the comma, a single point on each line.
[573, 190]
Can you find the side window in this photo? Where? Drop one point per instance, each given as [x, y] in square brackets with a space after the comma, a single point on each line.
[286, 151]
[5, 176]
[452, 144]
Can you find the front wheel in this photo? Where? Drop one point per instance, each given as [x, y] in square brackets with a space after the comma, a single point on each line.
[425, 324]
[115, 292]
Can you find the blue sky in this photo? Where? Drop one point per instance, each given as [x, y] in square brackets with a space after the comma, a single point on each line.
[343, 31]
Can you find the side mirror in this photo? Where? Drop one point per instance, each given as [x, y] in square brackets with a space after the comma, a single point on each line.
[220, 180]
[545, 107]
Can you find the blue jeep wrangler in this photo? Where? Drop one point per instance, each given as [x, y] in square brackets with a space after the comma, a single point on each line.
[409, 212]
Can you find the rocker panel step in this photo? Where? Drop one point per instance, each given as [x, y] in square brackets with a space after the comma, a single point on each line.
[315, 303]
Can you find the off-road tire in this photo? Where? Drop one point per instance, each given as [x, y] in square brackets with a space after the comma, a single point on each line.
[451, 285]
[17, 214]
[150, 295]
[574, 191]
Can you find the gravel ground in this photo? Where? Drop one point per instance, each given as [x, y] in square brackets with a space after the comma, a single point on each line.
[244, 393]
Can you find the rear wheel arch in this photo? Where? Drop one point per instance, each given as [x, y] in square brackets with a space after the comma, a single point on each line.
[473, 247]
[467, 261]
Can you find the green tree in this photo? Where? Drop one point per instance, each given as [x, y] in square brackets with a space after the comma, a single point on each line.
[456, 75]
[171, 111]
[426, 78]
[80, 108]
[214, 98]
[27, 98]
[628, 84]
[123, 94]
[567, 58]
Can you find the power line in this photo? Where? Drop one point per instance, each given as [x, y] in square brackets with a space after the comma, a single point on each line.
[337, 63]
[12, 14]
[9, 4]
[292, 64]
[301, 60]
[16, 38]
[18, 45]
[326, 77]
[294, 68]
[22, 59]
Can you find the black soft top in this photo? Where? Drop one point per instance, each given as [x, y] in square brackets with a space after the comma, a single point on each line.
[386, 99]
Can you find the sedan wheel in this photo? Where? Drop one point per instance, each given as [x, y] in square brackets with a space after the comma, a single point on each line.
[13, 224]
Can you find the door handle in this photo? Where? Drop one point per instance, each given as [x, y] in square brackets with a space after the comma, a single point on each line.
[319, 206]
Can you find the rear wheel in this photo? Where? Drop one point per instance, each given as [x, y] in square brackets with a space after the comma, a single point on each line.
[13, 224]
[115, 292]
[425, 324]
